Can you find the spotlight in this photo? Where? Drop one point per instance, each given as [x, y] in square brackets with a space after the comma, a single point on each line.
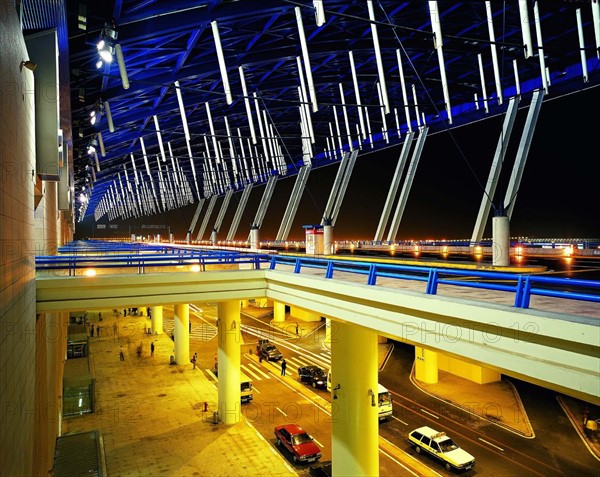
[30, 65]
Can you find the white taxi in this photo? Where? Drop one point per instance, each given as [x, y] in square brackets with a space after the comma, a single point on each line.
[441, 447]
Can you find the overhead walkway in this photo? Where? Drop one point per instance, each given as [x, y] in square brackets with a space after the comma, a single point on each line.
[558, 348]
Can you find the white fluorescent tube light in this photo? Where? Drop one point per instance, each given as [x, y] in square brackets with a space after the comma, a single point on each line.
[247, 104]
[417, 113]
[101, 144]
[159, 138]
[122, 69]
[380, 70]
[215, 29]
[182, 110]
[212, 132]
[304, 100]
[596, 20]
[437, 44]
[357, 94]
[337, 128]
[309, 78]
[525, 28]
[538, 35]
[581, 46]
[145, 156]
[97, 161]
[490, 20]
[404, 95]
[517, 82]
[109, 120]
[483, 87]
[319, 12]
[383, 121]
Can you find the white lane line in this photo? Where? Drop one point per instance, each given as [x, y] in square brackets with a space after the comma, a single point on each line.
[431, 414]
[399, 420]
[247, 371]
[318, 443]
[257, 370]
[281, 411]
[211, 374]
[399, 463]
[254, 389]
[490, 444]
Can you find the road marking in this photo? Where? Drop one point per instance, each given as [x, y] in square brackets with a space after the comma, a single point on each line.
[247, 370]
[489, 443]
[254, 389]
[430, 413]
[399, 420]
[320, 445]
[257, 370]
[398, 462]
[281, 411]
[211, 374]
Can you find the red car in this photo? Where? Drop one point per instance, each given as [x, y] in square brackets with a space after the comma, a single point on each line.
[298, 442]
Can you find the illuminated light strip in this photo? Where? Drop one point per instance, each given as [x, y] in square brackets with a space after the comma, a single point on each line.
[538, 34]
[159, 138]
[517, 82]
[122, 69]
[357, 94]
[212, 132]
[369, 127]
[144, 155]
[260, 126]
[437, 44]
[231, 149]
[247, 104]
[172, 159]
[109, 120]
[309, 78]
[404, 95]
[490, 20]
[525, 28]
[380, 69]
[383, 121]
[581, 46]
[417, 114]
[483, 88]
[346, 117]
[221, 58]
[397, 122]
[182, 110]
[337, 128]
[97, 160]
[596, 17]
[101, 144]
[304, 100]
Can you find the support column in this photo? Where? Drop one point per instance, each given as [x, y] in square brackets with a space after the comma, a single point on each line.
[228, 355]
[278, 312]
[182, 333]
[329, 245]
[328, 331]
[355, 422]
[254, 238]
[213, 238]
[157, 320]
[426, 365]
[501, 241]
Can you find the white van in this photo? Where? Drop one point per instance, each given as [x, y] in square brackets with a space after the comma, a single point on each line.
[384, 399]
[245, 388]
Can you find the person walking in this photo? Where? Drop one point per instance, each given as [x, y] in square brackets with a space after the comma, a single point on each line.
[283, 366]
[115, 329]
[98, 331]
[121, 355]
[296, 329]
[193, 360]
[152, 349]
[92, 331]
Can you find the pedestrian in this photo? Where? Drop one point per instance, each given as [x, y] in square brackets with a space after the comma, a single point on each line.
[115, 329]
[92, 331]
[98, 331]
[193, 360]
[121, 355]
[296, 329]
[283, 366]
[139, 350]
[260, 357]
[99, 316]
[124, 312]
[152, 349]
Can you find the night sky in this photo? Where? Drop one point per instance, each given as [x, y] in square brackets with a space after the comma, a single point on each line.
[559, 195]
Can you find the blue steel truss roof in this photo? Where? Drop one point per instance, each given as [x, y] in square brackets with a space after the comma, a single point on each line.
[168, 41]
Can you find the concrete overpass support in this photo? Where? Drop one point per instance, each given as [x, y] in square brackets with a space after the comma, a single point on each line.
[355, 423]
[426, 365]
[329, 244]
[501, 241]
[228, 355]
[156, 320]
[278, 312]
[181, 332]
[304, 315]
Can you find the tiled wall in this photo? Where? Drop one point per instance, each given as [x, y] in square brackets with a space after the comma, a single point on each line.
[30, 356]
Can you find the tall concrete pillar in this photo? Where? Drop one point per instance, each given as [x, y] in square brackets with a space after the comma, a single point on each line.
[327, 331]
[182, 333]
[156, 320]
[355, 421]
[501, 241]
[328, 243]
[278, 311]
[228, 355]
[254, 238]
[213, 237]
[426, 365]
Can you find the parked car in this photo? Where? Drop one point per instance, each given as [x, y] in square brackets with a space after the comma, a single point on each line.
[313, 375]
[322, 469]
[441, 447]
[297, 441]
[268, 351]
